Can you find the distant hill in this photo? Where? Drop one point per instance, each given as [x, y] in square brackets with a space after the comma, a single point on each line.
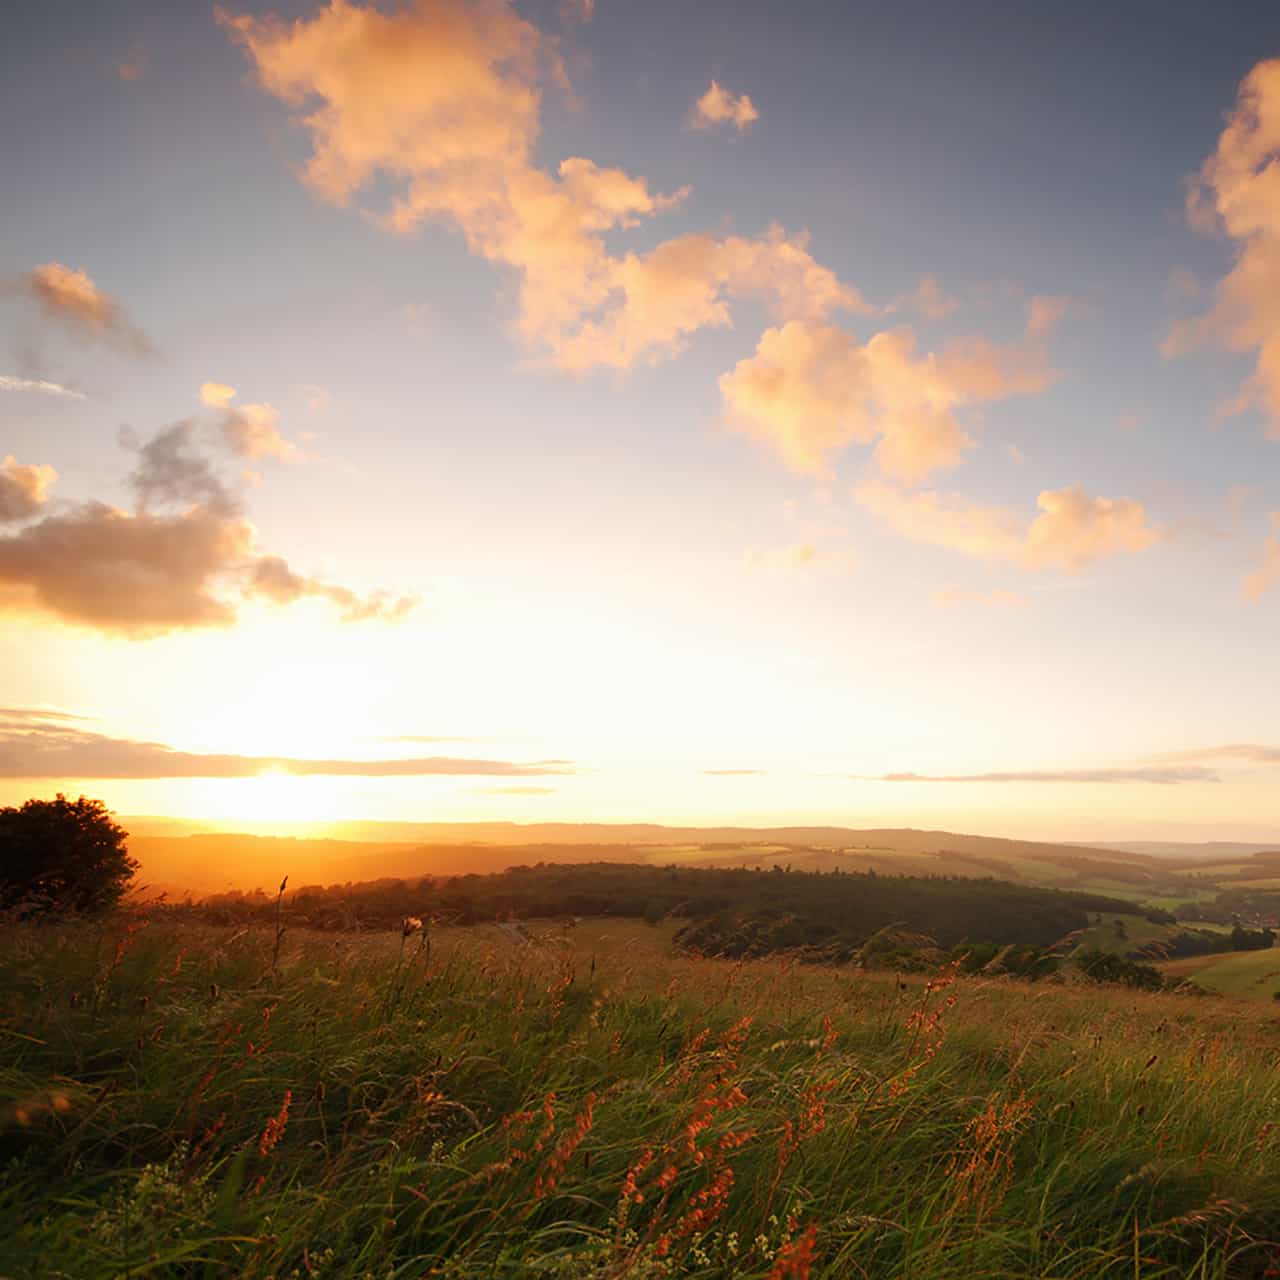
[215, 861]
[1209, 849]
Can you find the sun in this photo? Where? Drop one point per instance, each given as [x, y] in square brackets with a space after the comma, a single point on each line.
[273, 796]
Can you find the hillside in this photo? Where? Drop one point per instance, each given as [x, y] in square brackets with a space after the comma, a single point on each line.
[205, 862]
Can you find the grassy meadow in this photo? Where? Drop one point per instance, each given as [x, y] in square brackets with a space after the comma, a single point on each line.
[200, 1101]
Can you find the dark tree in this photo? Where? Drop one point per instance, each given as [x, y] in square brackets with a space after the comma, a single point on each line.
[62, 855]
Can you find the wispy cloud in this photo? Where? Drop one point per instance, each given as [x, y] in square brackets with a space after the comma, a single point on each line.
[1161, 776]
[35, 744]
[1266, 575]
[1243, 752]
[1073, 529]
[72, 299]
[732, 773]
[38, 385]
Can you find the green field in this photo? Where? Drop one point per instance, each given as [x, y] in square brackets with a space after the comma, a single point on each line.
[185, 1102]
[1255, 974]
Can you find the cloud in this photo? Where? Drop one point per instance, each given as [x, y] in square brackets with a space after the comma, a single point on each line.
[719, 106]
[1248, 752]
[968, 598]
[272, 580]
[43, 745]
[929, 299]
[811, 390]
[441, 99]
[1044, 311]
[250, 430]
[185, 557]
[9, 383]
[1072, 531]
[1161, 776]
[73, 300]
[516, 791]
[802, 557]
[1266, 576]
[1237, 191]
[23, 489]
[732, 773]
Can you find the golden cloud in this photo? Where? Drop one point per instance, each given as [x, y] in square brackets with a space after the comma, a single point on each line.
[24, 489]
[36, 744]
[719, 106]
[75, 301]
[1072, 531]
[1238, 191]
[250, 430]
[443, 98]
[184, 557]
[1266, 577]
[811, 390]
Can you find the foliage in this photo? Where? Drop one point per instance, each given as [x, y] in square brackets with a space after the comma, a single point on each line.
[1107, 966]
[62, 856]
[178, 1106]
[736, 911]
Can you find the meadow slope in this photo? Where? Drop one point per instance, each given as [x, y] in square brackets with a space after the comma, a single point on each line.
[208, 1102]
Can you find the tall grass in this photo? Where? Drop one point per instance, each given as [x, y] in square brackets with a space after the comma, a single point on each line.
[203, 1102]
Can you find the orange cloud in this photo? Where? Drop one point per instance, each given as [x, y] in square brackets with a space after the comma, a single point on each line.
[719, 106]
[1238, 191]
[250, 430]
[1072, 531]
[36, 744]
[443, 99]
[75, 301]
[184, 557]
[929, 299]
[1266, 576]
[23, 489]
[811, 390]
[271, 579]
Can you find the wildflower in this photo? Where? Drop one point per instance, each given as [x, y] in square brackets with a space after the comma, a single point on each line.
[411, 925]
[275, 1127]
[795, 1259]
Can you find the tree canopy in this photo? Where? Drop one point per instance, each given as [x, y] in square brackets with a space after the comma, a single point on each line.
[62, 856]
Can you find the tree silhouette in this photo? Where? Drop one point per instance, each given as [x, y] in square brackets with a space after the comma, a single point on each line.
[62, 856]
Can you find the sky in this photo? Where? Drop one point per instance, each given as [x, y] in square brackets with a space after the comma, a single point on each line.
[461, 410]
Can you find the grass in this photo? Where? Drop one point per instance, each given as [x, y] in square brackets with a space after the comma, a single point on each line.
[175, 1104]
[1253, 974]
